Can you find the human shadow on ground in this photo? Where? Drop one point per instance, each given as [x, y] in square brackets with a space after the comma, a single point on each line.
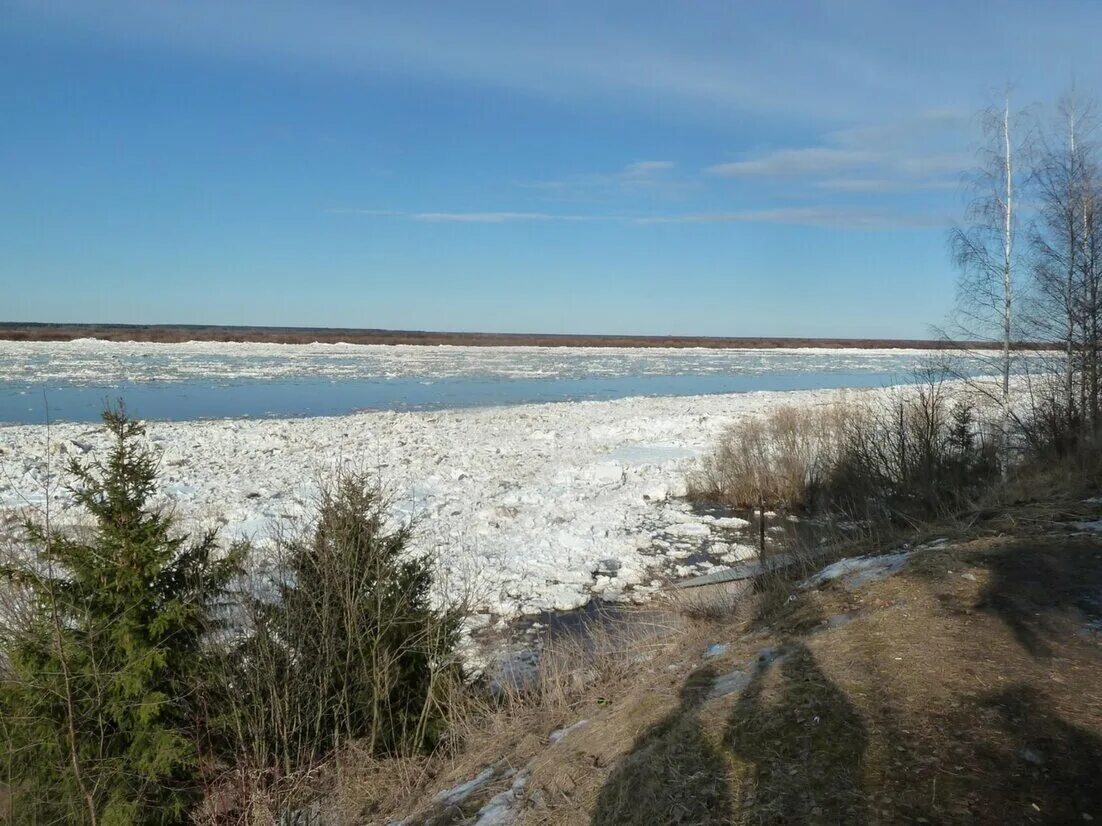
[1029, 585]
[804, 742]
[1043, 770]
[798, 744]
[674, 774]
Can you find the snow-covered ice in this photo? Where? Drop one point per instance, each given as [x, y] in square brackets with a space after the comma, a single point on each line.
[109, 362]
[530, 506]
[859, 570]
[457, 794]
[560, 733]
[500, 810]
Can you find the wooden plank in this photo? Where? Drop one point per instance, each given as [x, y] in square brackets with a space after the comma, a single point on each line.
[744, 570]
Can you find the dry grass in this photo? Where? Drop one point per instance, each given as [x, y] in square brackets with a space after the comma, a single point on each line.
[917, 452]
[710, 603]
[578, 676]
[780, 458]
[1045, 480]
[961, 690]
[674, 770]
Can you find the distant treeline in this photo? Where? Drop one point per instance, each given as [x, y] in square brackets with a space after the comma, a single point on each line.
[17, 331]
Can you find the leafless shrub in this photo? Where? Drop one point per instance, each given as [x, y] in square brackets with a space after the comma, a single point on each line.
[709, 603]
[919, 450]
[780, 459]
[571, 667]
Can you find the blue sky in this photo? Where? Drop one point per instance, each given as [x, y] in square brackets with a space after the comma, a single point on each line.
[713, 168]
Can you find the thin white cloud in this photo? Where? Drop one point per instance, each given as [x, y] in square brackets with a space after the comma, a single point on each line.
[813, 216]
[486, 217]
[646, 169]
[640, 175]
[498, 217]
[813, 160]
[719, 62]
[541, 49]
[915, 130]
[918, 152]
[885, 185]
[375, 213]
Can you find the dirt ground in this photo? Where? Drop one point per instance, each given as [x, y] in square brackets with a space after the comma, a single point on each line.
[965, 688]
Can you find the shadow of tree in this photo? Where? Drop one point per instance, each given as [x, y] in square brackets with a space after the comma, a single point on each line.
[805, 743]
[674, 774]
[1028, 583]
[1047, 771]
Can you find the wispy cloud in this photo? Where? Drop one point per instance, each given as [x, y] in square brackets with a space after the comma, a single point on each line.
[885, 185]
[645, 169]
[654, 175]
[500, 217]
[839, 61]
[919, 152]
[485, 217]
[542, 49]
[812, 216]
[812, 160]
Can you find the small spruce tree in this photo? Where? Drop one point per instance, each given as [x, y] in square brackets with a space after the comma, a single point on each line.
[347, 646]
[97, 694]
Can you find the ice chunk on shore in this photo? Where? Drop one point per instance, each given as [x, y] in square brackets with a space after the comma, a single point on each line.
[519, 523]
[688, 529]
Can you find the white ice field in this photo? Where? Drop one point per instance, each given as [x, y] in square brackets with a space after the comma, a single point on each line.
[532, 507]
[91, 360]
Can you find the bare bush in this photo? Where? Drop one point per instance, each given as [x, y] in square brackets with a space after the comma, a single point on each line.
[780, 459]
[710, 603]
[918, 451]
[923, 452]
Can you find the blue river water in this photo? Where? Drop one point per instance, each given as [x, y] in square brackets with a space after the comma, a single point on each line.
[181, 400]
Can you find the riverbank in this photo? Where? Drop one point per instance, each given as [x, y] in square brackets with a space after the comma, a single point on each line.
[952, 680]
[28, 331]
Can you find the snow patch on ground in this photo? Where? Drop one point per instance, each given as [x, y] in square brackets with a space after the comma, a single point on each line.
[857, 571]
[500, 809]
[457, 794]
[559, 734]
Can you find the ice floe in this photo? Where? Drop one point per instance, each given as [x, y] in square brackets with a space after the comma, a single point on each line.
[529, 507]
[96, 361]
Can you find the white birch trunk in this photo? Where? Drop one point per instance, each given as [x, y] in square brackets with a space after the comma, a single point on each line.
[1008, 295]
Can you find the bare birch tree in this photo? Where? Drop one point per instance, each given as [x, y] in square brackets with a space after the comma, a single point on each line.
[986, 248]
[1091, 265]
[1056, 241]
[1065, 246]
